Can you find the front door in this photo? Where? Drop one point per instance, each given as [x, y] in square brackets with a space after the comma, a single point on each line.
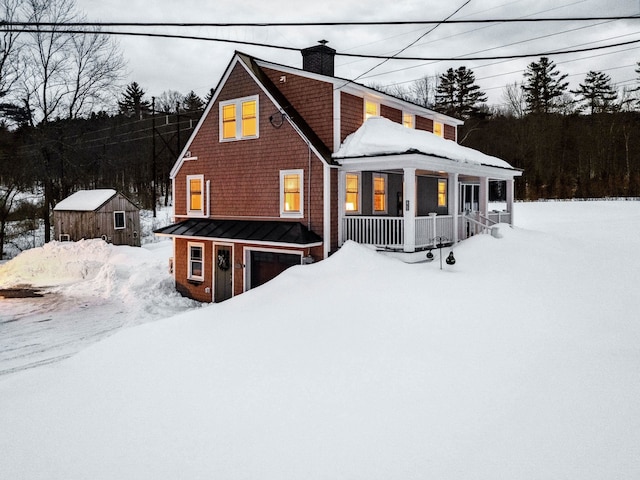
[469, 197]
[223, 278]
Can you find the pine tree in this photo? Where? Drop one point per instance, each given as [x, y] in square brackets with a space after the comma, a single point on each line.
[597, 92]
[133, 103]
[543, 85]
[192, 102]
[458, 95]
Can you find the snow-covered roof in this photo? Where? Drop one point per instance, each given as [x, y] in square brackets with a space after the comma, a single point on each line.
[86, 200]
[380, 136]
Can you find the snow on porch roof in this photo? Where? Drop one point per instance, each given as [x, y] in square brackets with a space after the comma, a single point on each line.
[85, 200]
[381, 136]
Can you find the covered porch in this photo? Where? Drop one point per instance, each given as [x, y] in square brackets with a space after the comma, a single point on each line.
[432, 193]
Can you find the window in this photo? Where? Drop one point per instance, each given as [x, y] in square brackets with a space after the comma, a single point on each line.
[195, 196]
[438, 129]
[64, 237]
[291, 193]
[409, 120]
[379, 193]
[371, 109]
[239, 119]
[196, 262]
[442, 193]
[118, 220]
[352, 197]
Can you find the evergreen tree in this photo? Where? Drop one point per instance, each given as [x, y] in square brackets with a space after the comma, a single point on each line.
[133, 103]
[458, 95]
[543, 86]
[597, 93]
[192, 102]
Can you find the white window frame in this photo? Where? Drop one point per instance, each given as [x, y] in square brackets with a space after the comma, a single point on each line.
[286, 213]
[190, 275]
[372, 102]
[373, 193]
[238, 103]
[199, 212]
[359, 209]
[408, 120]
[124, 220]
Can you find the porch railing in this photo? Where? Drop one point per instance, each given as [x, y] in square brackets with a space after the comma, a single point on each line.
[500, 217]
[389, 231]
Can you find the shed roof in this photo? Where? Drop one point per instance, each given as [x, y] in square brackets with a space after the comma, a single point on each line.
[267, 231]
[86, 200]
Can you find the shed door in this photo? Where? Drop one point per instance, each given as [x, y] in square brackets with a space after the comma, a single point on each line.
[223, 278]
[267, 265]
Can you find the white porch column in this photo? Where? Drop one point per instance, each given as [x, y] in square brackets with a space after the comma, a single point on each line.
[453, 193]
[409, 209]
[510, 197]
[484, 196]
[342, 198]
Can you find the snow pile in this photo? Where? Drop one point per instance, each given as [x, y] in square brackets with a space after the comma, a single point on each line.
[521, 361]
[381, 136]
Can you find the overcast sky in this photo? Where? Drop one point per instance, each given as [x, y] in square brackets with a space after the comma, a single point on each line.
[184, 65]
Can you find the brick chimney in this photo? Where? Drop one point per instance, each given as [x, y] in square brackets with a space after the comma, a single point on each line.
[319, 59]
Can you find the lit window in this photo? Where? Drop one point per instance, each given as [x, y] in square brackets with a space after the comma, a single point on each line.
[438, 129]
[371, 109]
[195, 195]
[442, 193]
[118, 220]
[196, 261]
[239, 119]
[291, 193]
[409, 120]
[379, 193]
[352, 200]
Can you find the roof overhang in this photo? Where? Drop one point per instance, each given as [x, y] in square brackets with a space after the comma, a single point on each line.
[422, 161]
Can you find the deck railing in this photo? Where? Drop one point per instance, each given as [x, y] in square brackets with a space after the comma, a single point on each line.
[389, 231]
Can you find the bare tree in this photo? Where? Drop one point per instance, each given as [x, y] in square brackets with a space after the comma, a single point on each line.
[423, 91]
[168, 100]
[9, 57]
[513, 96]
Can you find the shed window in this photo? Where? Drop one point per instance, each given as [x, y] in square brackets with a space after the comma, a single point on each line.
[118, 220]
[196, 261]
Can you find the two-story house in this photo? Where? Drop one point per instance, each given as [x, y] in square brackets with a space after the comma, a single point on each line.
[287, 164]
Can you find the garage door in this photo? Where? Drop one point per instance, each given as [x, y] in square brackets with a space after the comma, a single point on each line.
[267, 265]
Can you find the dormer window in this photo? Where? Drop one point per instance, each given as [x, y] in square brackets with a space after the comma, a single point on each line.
[239, 119]
[371, 109]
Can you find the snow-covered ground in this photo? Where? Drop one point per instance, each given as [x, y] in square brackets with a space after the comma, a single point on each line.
[521, 361]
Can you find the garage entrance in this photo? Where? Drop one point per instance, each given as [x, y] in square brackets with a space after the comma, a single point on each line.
[265, 265]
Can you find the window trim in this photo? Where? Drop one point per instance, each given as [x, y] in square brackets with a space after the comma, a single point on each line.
[286, 213]
[375, 175]
[238, 102]
[358, 192]
[190, 275]
[190, 211]
[117, 213]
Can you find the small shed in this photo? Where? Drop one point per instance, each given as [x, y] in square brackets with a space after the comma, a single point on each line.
[101, 213]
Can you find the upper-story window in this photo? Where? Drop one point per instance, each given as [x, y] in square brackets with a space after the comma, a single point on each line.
[352, 197]
[371, 109]
[438, 129]
[239, 119]
[409, 120]
[195, 194]
[291, 193]
[379, 193]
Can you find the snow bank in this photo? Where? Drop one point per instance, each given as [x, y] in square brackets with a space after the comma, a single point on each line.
[380, 136]
[521, 361]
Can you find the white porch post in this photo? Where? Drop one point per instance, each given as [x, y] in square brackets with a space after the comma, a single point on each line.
[454, 205]
[342, 197]
[484, 196]
[510, 197]
[409, 209]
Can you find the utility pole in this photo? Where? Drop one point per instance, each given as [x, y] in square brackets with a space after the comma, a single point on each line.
[153, 154]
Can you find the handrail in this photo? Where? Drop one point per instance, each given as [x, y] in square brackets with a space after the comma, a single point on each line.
[493, 222]
[480, 224]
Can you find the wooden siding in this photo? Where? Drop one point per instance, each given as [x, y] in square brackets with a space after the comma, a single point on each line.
[100, 223]
[391, 113]
[351, 114]
[450, 132]
[423, 123]
[316, 108]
